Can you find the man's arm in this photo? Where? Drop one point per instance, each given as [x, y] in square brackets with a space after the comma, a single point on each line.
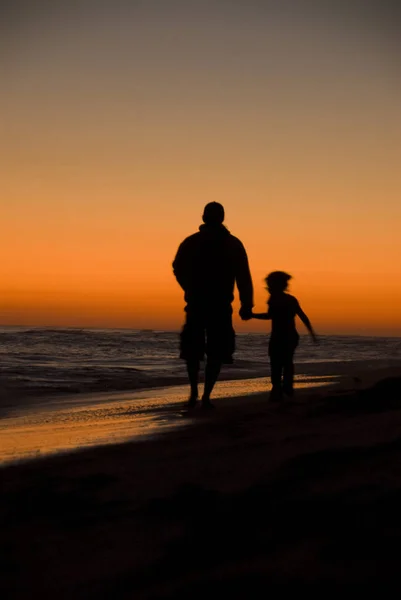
[244, 283]
[180, 266]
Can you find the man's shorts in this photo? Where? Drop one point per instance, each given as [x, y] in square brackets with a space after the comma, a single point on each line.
[208, 332]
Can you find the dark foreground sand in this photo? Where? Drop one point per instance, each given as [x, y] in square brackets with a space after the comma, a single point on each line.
[251, 497]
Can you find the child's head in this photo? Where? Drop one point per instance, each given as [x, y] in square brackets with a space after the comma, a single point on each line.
[277, 281]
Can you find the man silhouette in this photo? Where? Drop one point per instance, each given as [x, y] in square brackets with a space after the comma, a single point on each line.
[207, 266]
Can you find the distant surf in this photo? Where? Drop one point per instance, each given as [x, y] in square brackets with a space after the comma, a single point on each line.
[49, 361]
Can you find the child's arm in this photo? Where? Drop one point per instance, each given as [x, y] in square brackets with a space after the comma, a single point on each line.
[307, 323]
[262, 316]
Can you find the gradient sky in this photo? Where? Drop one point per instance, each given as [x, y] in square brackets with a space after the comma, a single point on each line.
[120, 120]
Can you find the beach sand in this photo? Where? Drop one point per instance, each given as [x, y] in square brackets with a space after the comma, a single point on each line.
[249, 496]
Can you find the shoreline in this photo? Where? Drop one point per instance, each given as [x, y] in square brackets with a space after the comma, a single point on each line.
[72, 423]
[10, 394]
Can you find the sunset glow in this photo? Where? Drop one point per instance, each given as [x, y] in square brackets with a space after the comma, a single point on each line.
[120, 125]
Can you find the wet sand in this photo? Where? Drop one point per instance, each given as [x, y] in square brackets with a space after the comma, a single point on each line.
[67, 423]
[250, 496]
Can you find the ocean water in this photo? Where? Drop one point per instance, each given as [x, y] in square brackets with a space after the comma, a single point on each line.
[42, 361]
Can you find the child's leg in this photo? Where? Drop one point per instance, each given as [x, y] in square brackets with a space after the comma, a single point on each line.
[276, 369]
[288, 373]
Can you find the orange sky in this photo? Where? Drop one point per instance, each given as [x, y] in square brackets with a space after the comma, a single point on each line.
[120, 125]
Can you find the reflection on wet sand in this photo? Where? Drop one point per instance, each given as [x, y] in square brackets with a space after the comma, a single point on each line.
[69, 423]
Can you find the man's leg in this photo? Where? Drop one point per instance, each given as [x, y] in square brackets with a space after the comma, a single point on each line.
[193, 376]
[212, 371]
[192, 350]
[220, 347]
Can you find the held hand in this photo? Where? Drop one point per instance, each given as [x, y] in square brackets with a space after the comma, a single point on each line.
[245, 313]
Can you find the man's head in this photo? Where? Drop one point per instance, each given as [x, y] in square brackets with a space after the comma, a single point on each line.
[213, 214]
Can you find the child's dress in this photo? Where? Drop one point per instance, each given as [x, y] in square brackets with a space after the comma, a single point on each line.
[282, 310]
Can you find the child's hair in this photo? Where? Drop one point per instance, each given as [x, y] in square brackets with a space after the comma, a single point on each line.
[278, 280]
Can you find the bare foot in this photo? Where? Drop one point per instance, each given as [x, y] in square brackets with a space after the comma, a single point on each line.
[206, 403]
[192, 401]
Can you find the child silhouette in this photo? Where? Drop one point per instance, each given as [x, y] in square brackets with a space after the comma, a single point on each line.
[282, 310]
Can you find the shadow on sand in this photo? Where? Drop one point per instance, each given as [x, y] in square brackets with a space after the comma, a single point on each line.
[315, 506]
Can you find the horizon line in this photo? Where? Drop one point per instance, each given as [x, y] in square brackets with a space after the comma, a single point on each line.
[166, 330]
